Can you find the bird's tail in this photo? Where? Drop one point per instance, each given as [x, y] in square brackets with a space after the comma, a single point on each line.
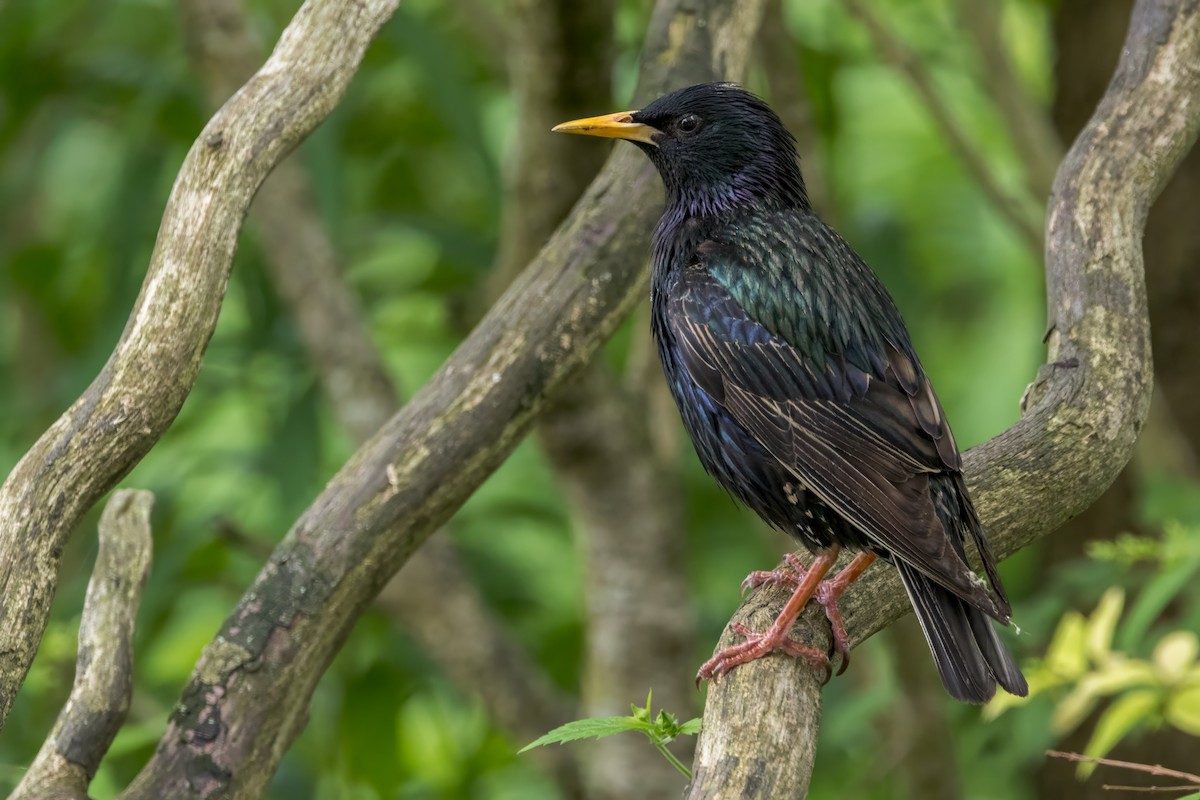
[969, 655]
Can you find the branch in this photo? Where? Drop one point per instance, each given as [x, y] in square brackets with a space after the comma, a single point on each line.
[1157, 770]
[304, 269]
[560, 65]
[623, 500]
[154, 366]
[248, 698]
[781, 63]
[628, 504]
[1078, 429]
[1033, 136]
[96, 708]
[895, 51]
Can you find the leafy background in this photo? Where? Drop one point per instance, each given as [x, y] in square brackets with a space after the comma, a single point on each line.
[98, 105]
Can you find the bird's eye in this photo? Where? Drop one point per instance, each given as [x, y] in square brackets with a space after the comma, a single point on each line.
[688, 123]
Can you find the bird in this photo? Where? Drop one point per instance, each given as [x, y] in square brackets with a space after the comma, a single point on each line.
[797, 382]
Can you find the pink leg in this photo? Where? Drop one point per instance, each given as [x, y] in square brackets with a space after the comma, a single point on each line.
[808, 585]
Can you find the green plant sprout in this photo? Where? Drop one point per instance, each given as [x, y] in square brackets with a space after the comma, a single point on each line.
[660, 730]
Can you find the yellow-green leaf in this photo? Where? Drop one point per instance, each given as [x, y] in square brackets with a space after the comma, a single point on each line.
[1073, 708]
[1039, 678]
[1103, 622]
[1175, 655]
[1119, 719]
[1183, 710]
[1067, 654]
[1120, 673]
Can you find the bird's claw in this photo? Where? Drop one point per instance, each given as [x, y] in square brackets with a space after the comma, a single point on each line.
[756, 646]
[789, 574]
[827, 596]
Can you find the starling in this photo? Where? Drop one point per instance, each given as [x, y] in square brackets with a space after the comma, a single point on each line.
[797, 381]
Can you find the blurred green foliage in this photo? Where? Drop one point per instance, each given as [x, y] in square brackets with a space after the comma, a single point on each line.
[98, 107]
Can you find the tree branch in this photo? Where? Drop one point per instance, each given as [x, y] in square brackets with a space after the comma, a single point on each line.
[248, 697]
[629, 506]
[96, 708]
[1079, 426]
[301, 261]
[1029, 127]
[896, 52]
[622, 499]
[789, 99]
[143, 385]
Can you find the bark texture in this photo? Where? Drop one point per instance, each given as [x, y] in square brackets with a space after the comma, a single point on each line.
[1082, 414]
[99, 700]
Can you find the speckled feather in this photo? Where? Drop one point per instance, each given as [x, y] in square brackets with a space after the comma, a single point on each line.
[797, 380]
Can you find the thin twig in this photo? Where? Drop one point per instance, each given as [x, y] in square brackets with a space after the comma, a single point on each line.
[1149, 769]
[896, 51]
[1151, 789]
[96, 708]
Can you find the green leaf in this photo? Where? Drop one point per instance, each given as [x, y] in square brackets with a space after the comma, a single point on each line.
[1103, 622]
[1117, 675]
[1040, 678]
[594, 728]
[1183, 710]
[1073, 708]
[1175, 654]
[1119, 719]
[1151, 601]
[1067, 655]
[690, 728]
[1126, 549]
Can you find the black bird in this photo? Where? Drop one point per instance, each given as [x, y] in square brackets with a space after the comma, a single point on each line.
[797, 381]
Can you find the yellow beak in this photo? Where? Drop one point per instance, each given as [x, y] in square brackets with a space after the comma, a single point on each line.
[613, 126]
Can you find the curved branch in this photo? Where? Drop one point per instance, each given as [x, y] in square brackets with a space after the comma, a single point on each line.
[96, 708]
[1083, 414]
[248, 698]
[434, 594]
[154, 366]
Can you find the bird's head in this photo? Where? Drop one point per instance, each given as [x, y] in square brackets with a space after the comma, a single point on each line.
[716, 145]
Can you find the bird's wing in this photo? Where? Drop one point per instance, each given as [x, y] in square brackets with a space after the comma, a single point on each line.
[864, 441]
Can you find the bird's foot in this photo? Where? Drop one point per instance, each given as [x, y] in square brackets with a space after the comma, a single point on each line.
[758, 645]
[826, 593]
[789, 574]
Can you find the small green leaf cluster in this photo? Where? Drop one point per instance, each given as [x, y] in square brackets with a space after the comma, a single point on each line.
[661, 730]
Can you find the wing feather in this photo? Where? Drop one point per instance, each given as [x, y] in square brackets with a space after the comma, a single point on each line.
[865, 443]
